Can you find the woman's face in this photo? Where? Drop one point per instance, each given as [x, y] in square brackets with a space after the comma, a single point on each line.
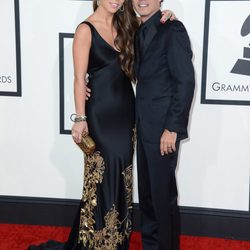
[111, 6]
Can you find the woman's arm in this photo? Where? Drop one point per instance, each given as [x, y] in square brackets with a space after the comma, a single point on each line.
[81, 48]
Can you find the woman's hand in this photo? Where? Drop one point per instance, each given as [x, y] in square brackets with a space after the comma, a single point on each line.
[167, 14]
[88, 93]
[79, 129]
[88, 90]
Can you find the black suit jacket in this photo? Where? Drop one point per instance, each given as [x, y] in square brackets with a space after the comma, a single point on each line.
[165, 81]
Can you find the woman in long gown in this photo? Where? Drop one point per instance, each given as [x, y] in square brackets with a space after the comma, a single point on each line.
[103, 49]
[103, 44]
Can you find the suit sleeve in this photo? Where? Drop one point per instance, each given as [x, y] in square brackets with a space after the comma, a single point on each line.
[182, 77]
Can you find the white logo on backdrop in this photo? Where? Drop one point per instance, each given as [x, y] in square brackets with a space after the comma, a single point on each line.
[10, 62]
[226, 72]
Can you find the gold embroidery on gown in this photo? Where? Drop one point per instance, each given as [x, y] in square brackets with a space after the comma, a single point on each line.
[109, 237]
[93, 174]
[128, 181]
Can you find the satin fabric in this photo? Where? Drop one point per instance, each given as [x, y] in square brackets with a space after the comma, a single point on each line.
[105, 206]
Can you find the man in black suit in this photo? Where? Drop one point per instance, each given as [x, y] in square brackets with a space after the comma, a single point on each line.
[164, 93]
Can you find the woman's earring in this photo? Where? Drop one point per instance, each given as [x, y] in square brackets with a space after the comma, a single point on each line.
[98, 2]
[121, 8]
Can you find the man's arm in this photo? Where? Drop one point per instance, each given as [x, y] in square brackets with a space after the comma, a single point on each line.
[182, 71]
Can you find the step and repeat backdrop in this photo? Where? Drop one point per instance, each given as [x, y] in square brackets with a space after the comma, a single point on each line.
[10, 65]
[37, 155]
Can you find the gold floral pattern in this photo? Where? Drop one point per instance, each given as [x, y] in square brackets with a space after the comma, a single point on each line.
[128, 181]
[109, 237]
[93, 175]
[114, 231]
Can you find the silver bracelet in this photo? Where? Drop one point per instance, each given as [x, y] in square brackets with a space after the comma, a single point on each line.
[78, 118]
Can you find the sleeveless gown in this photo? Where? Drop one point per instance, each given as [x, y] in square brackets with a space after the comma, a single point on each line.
[103, 221]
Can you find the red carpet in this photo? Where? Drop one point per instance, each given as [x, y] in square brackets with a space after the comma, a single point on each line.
[18, 237]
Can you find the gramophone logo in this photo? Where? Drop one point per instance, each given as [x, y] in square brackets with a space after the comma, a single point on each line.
[242, 66]
[226, 53]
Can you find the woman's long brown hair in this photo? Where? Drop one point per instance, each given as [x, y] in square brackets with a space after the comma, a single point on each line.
[126, 24]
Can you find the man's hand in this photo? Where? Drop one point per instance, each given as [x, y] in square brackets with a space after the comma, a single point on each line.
[167, 14]
[167, 142]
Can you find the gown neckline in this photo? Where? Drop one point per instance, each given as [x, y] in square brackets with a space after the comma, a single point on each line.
[103, 38]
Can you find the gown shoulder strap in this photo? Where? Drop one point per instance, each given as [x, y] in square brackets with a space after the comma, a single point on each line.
[92, 28]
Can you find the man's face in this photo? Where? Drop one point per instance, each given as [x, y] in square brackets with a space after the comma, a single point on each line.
[146, 8]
